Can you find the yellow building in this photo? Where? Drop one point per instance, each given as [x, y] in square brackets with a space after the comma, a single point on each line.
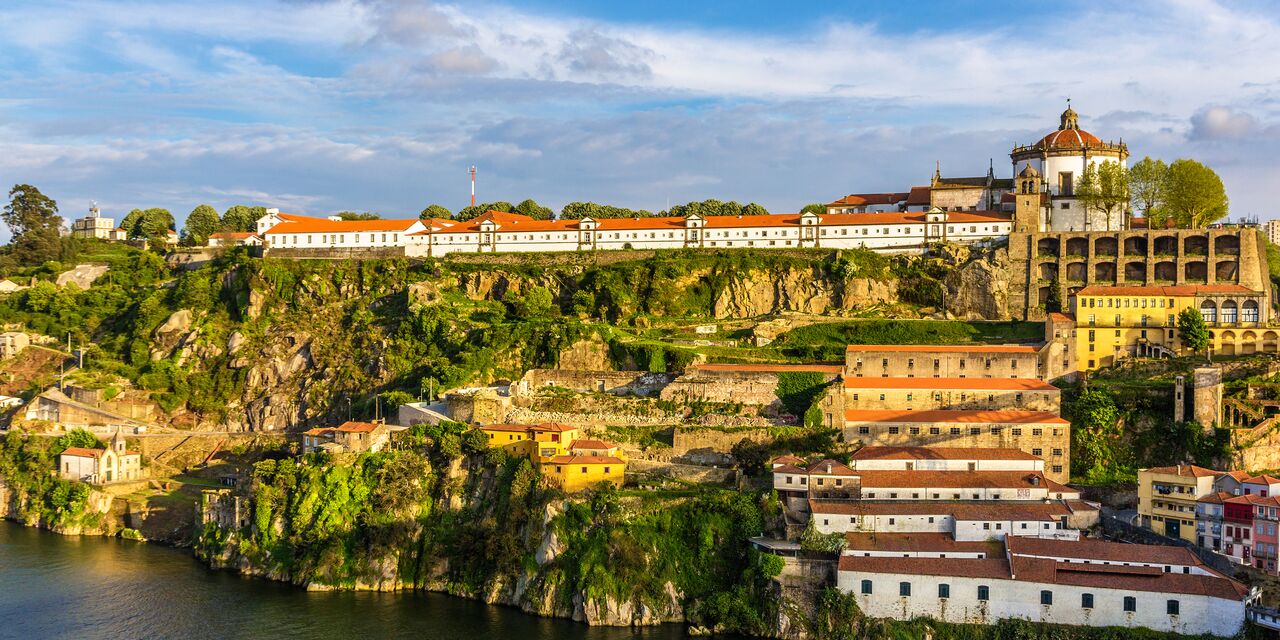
[575, 473]
[1167, 498]
[567, 461]
[1113, 323]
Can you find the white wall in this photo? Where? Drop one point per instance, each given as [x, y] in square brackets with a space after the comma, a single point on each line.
[1018, 599]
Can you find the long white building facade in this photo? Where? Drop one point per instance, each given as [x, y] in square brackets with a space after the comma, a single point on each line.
[501, 232]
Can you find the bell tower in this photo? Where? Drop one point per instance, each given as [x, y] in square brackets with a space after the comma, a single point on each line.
[1027, 201]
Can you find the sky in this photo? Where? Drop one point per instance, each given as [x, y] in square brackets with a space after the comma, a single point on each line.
[382, 105]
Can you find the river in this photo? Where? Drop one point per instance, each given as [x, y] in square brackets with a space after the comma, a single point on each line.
[53, 586]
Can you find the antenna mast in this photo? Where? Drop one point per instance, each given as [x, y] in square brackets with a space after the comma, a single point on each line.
[473, 185]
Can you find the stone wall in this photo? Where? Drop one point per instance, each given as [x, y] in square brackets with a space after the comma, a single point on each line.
[640, 383]
[686, 472]
[1141, 257]
[685, 440]
[335, 253]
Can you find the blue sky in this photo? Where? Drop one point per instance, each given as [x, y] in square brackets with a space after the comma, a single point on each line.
[320, 106]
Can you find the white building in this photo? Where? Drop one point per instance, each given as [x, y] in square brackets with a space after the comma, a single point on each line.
[97, 226]
[1060, 158]
[287, 231]
[1081, 582]
[98, 466]
[234, 239]
[964, 521]
[1272, 227]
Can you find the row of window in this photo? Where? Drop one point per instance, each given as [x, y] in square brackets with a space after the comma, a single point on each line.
[339, 238]
[955, 431]
[964, 397]
[1130, 603]
[937, 362]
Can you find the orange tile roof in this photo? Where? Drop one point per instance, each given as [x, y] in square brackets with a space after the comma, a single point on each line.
[1216, 497]
[1150, 579]
[993, 568]
[946, 416]
[994, 384]
[789, 459]
[940, 453]
[1185, 470]
[870, 199]
[877, 479]
[1061, 317]
[552, 426]
[300, 224]
[233, 235]
[505, 427]
[571, 459]
[919, 195]
[318, 431]
[830, 467]
[1263, 479]
[1170, 290]
[82, 452]
[1094, 549]
[358, 427]
[592, 444]
[769, 368]
[948, 348]
[1051, 511]
[916, 542]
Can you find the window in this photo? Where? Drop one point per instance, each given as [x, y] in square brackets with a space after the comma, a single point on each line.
[1046, 597]
[862, 431]
[984, 593]
[1171, 607]
[904, 589]
[944, 591]
[1037, 452]
[866, 587]
[1130, 603]
[1086, 601]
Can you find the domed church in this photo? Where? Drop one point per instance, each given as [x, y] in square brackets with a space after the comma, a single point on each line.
[1053, 168]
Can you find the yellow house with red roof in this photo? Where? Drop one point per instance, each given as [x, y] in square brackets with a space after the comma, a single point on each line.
[567, 461]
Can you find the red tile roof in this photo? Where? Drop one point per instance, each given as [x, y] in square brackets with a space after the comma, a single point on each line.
[82, 452]
[592, 444]
[1126, 578]
[995, 568]
[1051, 511]
[358, 427]
[856, 199]
[994, 384]
[917, 542]
[586, 460]
[1186, 471]
[233, 235]
[552, 427]
[1169, 290]
[521, 428]
[940, 453]
[319, 431]
[1216, 497]
[919, 196]
[896, 479]
[789, 459]
[948, 348]
[949, 416]
[301, 224]
[1094, 549]
[1069, 139]
[831, 468]
[1263, 479]
[769, 368]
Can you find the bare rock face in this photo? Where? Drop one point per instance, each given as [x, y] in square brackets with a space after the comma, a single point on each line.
[590, 354]
[82, 275]
[979, 290]
[759, 292]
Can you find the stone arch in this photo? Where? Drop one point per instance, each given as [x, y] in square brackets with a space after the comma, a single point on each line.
[1077, 246]
[1047, 247]
[1248, 342]
[1249, 311]
[1226, 269]
[1269, 340]
[1166, 271]
[1227, 343]
[1105, 246]
[1196, 246]
[1044, 294]
[1209, 309]
[1135, 246]
[1104, 272]
[1077, 271]
[1166, 246]
[1227, 244]
[1228, 312]
[1135, 271]
[1196, 271]
[1048, 270]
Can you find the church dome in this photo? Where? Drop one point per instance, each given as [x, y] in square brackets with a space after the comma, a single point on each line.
[1069, 139]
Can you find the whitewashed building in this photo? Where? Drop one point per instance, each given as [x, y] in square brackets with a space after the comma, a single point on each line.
[99, 466]
[1075, 582]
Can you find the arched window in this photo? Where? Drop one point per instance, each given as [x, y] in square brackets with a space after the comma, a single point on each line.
[1209, 310]
[1249, 311]
[1229, 312]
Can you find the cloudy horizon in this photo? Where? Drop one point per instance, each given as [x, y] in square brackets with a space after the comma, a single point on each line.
[382, 105]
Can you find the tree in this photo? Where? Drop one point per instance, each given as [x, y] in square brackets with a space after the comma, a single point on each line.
[580, 210]
[467, 213]
[435, 211]
[358, 215]
[201, 223]
[1193, 194]
[1104, 187]
[33, 219]
[77, 438]
[148, 224]
[1146, 189]
[816, 207]
[242, 218]
[534, 210]
[1192, 331]
[752, 456]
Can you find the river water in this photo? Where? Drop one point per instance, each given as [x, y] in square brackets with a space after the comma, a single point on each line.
[53, 586]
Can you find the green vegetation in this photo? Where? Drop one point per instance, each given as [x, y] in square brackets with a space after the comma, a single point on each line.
[798, 389]
[1186, 192]
[1193, 332]
[826, 342]
[26, 466]
[1104, 187]
[33, 220]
